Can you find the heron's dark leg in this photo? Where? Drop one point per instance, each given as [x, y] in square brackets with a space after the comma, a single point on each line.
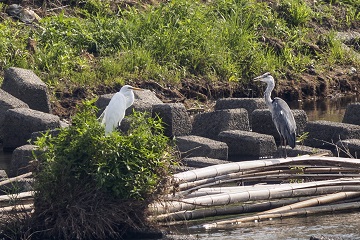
[281, 144]
[285, 147]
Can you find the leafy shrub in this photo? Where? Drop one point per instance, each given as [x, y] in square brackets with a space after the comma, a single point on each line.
[92, 186]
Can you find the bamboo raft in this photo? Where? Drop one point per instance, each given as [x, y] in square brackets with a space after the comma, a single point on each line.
[239, 193]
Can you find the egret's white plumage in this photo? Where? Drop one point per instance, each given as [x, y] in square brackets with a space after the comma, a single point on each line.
[115, 110]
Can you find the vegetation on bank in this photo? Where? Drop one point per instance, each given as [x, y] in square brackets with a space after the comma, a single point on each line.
[94, 43]
[92, 186]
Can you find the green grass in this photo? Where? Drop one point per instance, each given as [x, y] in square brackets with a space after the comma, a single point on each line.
[167, 42]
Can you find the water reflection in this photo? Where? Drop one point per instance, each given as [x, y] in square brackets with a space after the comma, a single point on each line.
[331, 226]
[330, 109]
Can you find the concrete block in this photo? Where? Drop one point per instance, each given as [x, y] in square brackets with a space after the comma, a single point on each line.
[300, 150]
[352, 114]
[102, 102]
[250, 104]
[8, 101]
[20, 123]
[324, 134]
[175, 118]
[348, 148]
[195, 146]
[262, 122]
[200, 162]
[26, 86]
[301, 120]
[248, 144]
[210, 124]
[144, 100]
[38, 134]
[21, 160]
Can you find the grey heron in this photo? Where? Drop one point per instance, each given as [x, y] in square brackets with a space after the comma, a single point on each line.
[115, 110]
[281, 114]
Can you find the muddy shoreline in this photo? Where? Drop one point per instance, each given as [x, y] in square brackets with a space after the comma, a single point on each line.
[195, 93]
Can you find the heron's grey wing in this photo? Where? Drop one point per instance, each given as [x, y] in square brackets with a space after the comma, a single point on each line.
[284, 121]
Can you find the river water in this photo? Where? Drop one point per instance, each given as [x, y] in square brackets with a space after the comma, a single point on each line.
[330, 109]
[337, 226]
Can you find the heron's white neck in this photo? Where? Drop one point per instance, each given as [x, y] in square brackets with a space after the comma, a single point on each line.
[267, 94]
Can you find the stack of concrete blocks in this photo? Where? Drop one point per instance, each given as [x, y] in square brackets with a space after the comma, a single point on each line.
[263, 123]
[175, 118]
[144, 101]
[246, 144]
[210, 124]
[238, 128]
[341, 138]
[178, 126]
[24, 109]
[229, 123]
[250, 104]
[325, 134]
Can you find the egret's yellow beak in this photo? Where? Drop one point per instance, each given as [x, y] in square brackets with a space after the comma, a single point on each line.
[138, 89]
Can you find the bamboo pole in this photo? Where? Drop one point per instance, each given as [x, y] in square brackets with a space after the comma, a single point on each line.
[244, 196]
[17, 208]
[274, 178]
[226, 210]
[291, 213]
[261, 171]
[16, 199]
[221, 169]
[14, 179]
[234, 189]
[227, 168]
[16, 196]
[317, 201]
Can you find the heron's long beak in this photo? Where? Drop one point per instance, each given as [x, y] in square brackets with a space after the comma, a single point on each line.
[138, 89]
[257, 79]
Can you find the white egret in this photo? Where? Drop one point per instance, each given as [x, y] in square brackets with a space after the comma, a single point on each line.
[281, 114]
[115, 110]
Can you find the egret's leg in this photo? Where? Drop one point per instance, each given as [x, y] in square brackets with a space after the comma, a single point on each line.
[285, 148]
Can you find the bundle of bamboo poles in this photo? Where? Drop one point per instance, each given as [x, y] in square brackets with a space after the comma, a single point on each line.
[16, 202]
[259, 190]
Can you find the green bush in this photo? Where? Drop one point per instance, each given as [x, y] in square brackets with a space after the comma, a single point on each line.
[92, 186]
